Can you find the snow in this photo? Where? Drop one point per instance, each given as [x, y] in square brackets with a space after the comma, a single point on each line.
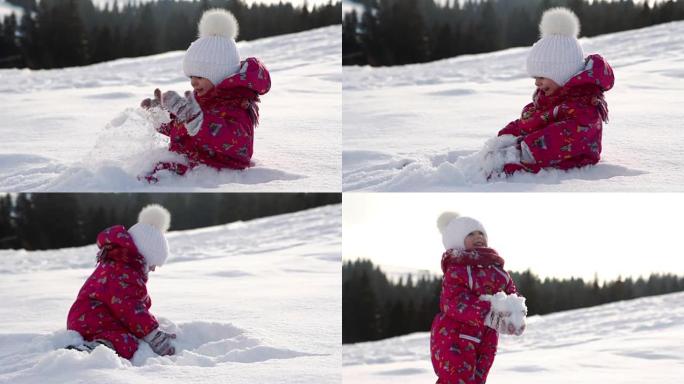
[80, 129]
[421, 127]
[513, 306]
[628, 342]
[250, 302]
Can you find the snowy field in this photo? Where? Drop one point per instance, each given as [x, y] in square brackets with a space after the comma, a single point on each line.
[81, 129]
[251, 302]
[630, 342]
[419, 127]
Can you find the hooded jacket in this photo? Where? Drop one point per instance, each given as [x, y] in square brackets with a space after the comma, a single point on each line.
[113, 303]
[461, 346]
[230, 114]
[564, 130]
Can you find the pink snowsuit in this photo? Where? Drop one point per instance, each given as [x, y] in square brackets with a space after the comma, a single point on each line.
[564, 130]
[113, 304]
[461, 346]
[230, 111]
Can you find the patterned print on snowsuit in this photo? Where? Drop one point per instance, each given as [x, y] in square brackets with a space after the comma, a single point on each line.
[461, 346]
[230, 114]
[113, 304]
[564, 130]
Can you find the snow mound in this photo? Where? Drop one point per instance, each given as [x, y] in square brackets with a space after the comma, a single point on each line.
[462, 171]
[128, 146]
[199, 344]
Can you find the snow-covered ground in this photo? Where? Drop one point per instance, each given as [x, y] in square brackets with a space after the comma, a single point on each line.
[630, 342]
[81, 129]
[252, 302]
[419, 127]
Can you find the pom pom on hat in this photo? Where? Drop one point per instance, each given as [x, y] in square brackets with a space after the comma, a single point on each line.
[444, 219]
[148, 234]
[218, 22]
[557, 55]
[559, 21]
[156, 216]
[455, 229]
[214, 55]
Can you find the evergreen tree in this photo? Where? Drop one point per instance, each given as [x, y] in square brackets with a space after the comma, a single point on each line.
[8, 42]
[8, 236]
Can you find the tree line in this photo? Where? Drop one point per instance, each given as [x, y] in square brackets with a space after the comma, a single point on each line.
[58, 220]
[64, 33]
[396, 32]
[375, 307]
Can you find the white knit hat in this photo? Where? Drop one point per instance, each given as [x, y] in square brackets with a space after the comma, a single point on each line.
[557, 55]
[148, 234]
[455, 229]
[214, 54]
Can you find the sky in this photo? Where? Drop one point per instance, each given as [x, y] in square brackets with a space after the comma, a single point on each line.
[249, 2]
[554, 234]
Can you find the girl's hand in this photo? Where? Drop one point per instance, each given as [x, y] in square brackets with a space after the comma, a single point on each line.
[160, 342]
[151, 103]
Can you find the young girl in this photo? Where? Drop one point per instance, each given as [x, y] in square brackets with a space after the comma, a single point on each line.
[215, 124]
[112, 307]
[562, 126]
[464, 334]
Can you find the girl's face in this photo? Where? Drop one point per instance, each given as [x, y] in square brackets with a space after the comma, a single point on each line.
[547, 86]
[475, 239]
[201, 85]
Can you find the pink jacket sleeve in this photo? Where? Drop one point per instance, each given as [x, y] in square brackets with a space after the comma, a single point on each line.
[531, 120]
[459, 302]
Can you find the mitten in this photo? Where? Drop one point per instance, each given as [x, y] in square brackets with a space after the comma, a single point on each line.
[498, 321]
[160, 342]
[186, 109]
[504, 141]
[507, 313]
[151, 103]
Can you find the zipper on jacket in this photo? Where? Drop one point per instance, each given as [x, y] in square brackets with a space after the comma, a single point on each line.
[470, 277]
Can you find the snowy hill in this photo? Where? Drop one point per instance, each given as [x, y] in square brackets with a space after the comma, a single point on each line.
[251, 302]
[80, 129]
[418, 127]
[636, 341]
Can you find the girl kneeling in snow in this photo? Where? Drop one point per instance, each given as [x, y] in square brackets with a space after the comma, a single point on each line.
[562, 126]
[112, 307]
[213, 125]
[473, 306]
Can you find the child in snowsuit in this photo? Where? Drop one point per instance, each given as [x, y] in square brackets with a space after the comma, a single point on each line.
[113, 308]
[464, 335]
[562, 126]
[213, 125]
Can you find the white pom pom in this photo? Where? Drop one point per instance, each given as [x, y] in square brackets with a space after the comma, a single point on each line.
[559, 21]
[156, 216]
[444, 219]
[218, 22]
